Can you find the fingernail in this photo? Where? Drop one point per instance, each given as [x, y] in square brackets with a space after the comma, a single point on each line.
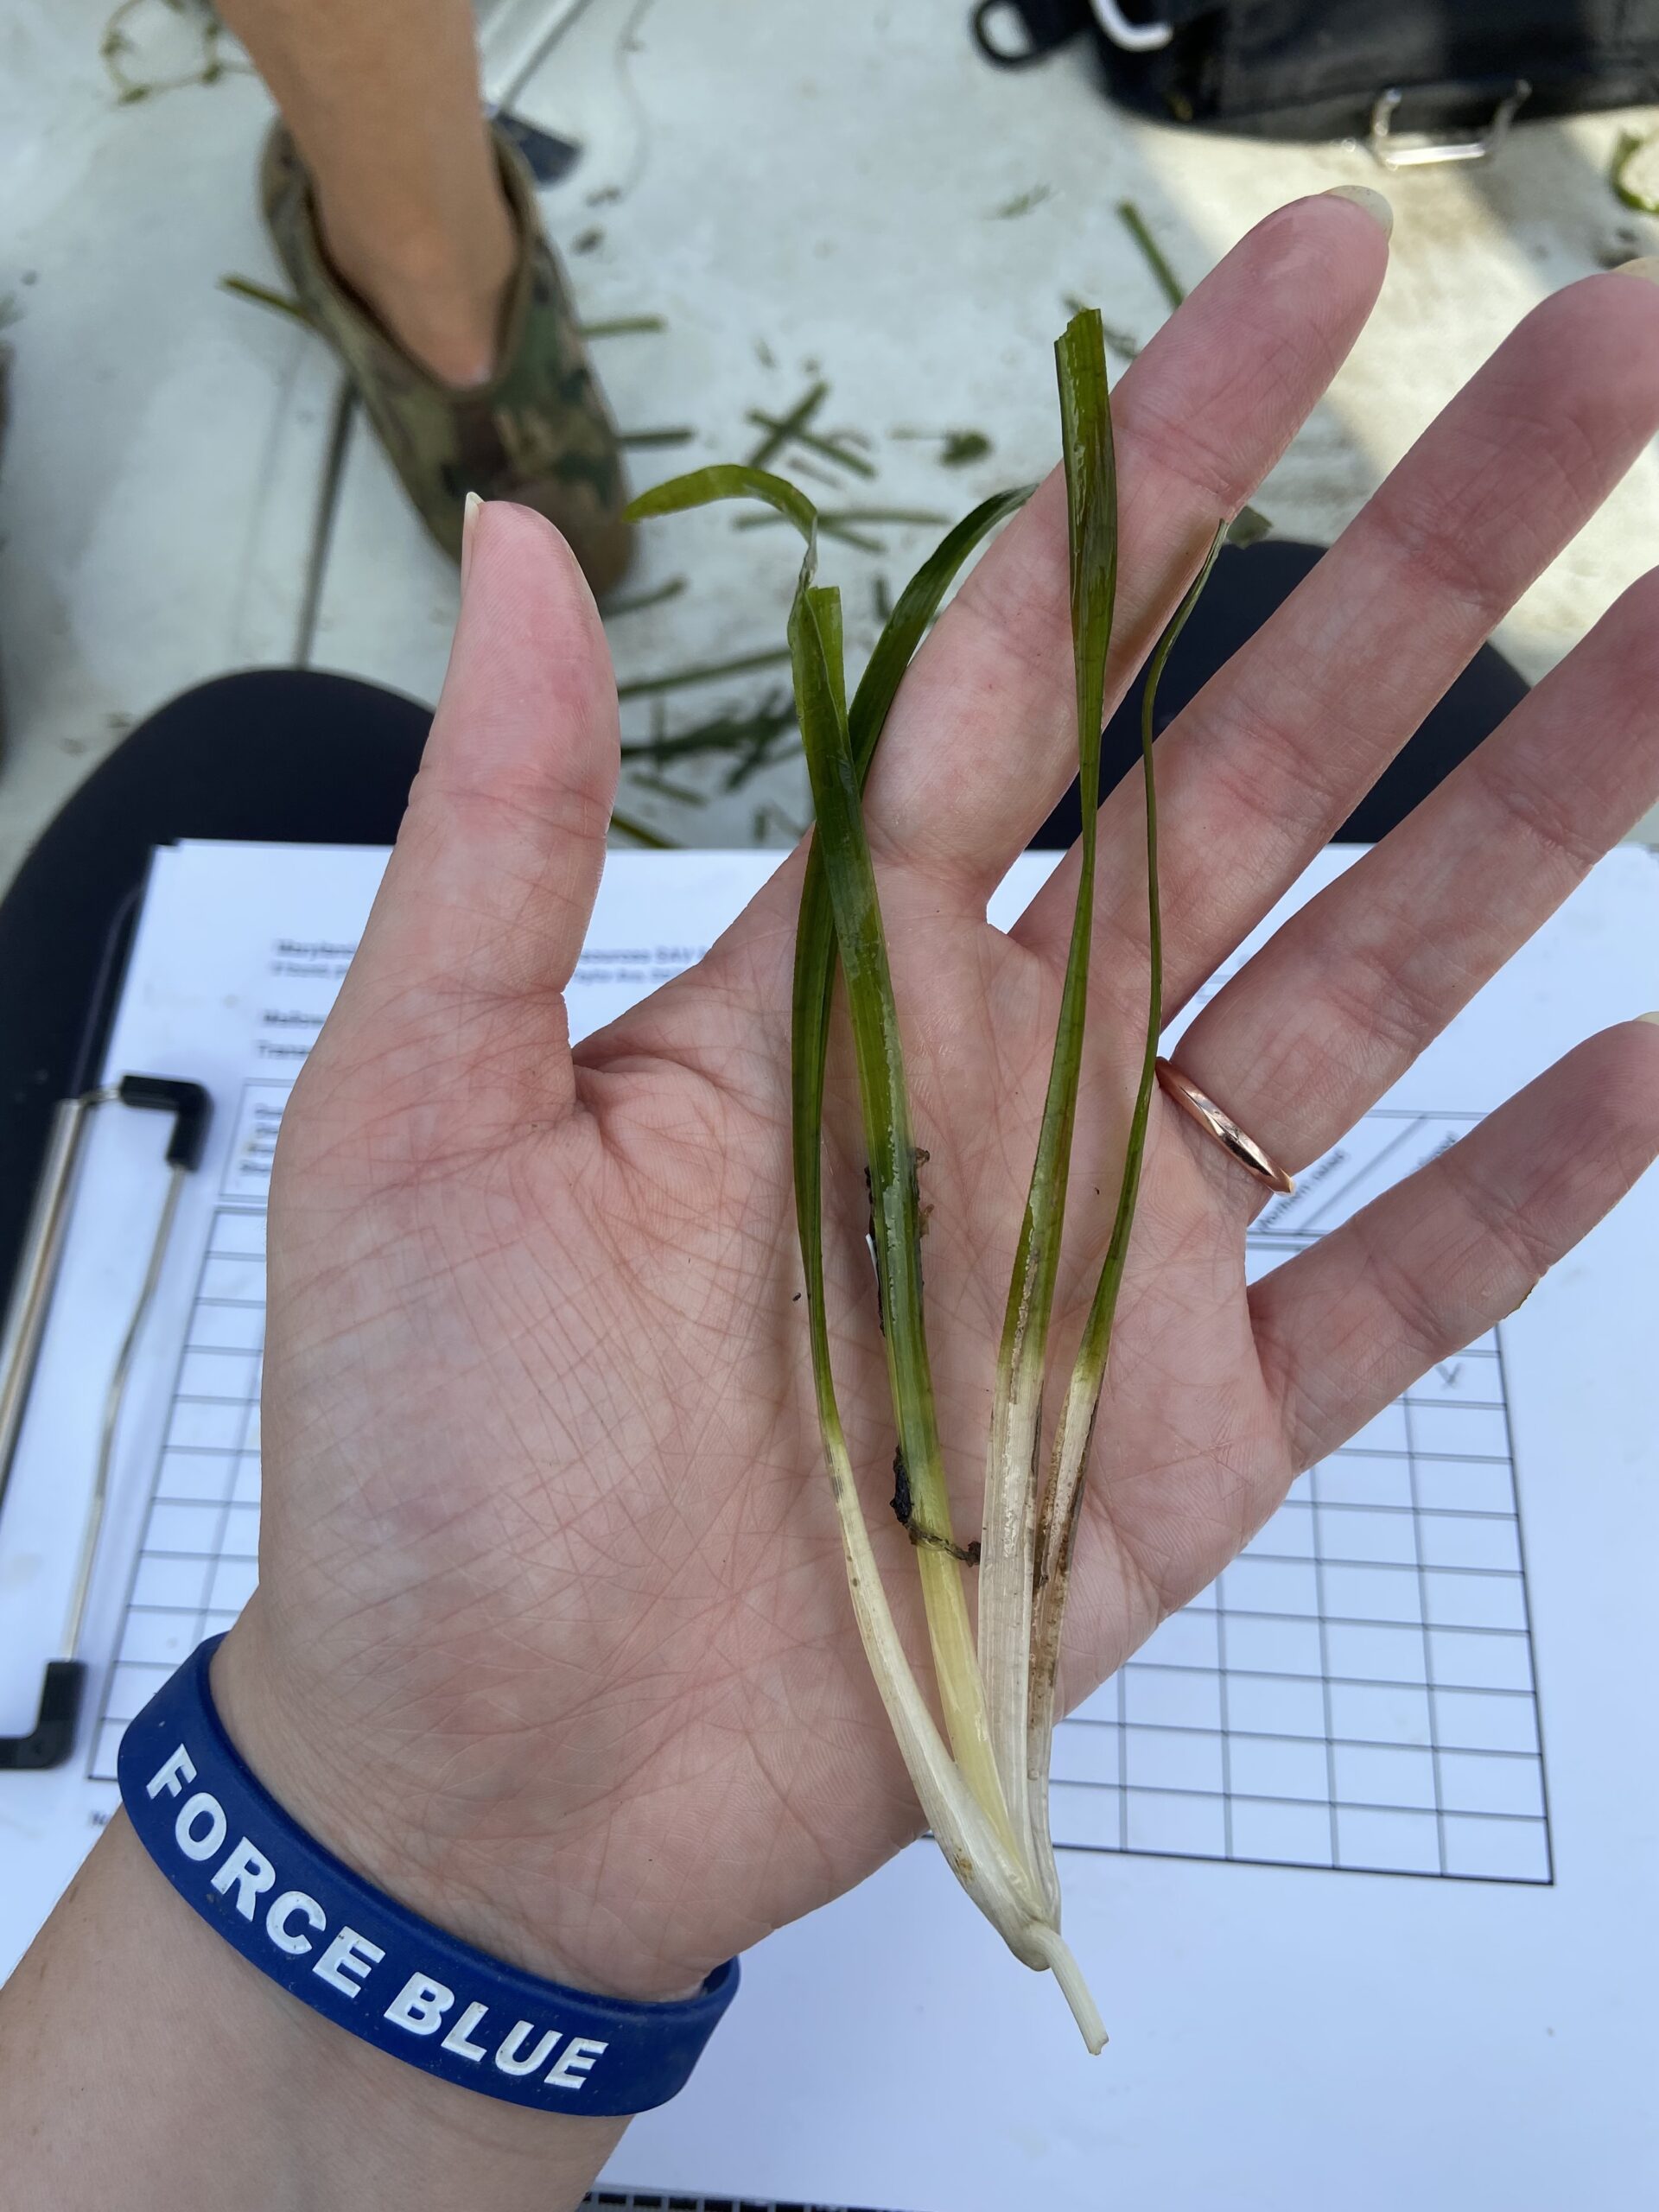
[1374, 203]
[1648, 1017]
[1646, 264]
[469, 514]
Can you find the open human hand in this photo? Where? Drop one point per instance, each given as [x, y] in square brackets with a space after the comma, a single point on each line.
[552, 1637]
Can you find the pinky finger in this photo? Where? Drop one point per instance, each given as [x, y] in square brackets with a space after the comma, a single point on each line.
[1343, 1329]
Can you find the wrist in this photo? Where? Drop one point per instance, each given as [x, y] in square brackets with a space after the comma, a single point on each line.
[434, 1853]
[181, 2062]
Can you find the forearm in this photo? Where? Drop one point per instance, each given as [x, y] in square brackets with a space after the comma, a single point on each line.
[143, 2063]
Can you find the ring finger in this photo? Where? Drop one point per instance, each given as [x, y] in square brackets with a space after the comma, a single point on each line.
[1327, 1016]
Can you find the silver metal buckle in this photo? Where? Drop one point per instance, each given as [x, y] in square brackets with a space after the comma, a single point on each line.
[1425, 153]
[1134, 38]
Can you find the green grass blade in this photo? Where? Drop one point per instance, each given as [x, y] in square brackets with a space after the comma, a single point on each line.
[701, 486]
[244, 288]
[782, 430]
[850, 876]
[906, 626]
[826, 610]
[642, 833]
[976, 1847]
[1009, 1536]
[815, 936]
[814, 941]
[976, 1844]
[1151, 252]
[1249, 524]
[707, 671]
[1634, 174]
[1098, 1332]
[1063, 1496]
[961, 1796]
[845, 516]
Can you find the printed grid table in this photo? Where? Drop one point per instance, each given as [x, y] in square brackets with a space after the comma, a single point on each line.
[1356, 1691]
[197, 1559]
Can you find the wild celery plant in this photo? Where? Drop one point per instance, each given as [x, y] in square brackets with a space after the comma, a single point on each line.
[1062, 1498]
[978, 1780]
[1008, 1543]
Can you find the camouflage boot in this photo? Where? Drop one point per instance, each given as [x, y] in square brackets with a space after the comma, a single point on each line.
[537, 432]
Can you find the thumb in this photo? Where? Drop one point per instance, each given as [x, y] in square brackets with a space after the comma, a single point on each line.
[478, 922]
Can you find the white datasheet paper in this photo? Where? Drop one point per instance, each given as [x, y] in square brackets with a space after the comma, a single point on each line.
[1362, 1848]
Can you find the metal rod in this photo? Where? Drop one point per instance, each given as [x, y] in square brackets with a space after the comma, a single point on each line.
[113, 1400]
[42, 1247]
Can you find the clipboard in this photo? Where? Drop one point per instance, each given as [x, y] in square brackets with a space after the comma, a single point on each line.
[1282, 1826]
[288, 756]
[63, 1682]
[51, 1739]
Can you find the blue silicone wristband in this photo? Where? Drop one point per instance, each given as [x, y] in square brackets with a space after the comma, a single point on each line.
[362, 1960]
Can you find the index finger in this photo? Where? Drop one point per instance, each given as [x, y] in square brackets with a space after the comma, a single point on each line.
[982, 738]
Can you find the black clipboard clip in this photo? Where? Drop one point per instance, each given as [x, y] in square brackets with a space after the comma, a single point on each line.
[50, 1741]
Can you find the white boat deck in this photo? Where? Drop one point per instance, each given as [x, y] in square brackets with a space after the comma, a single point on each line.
[846, 193]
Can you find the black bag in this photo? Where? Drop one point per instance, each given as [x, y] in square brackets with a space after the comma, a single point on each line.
[1450, 73]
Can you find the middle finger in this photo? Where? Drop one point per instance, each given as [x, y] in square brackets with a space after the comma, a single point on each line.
[982, 739]
[1275, 751]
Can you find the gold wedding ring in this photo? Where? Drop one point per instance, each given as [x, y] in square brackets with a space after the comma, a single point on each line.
[1220, 1125]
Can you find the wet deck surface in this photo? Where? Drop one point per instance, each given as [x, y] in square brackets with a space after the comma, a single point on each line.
[845, 195]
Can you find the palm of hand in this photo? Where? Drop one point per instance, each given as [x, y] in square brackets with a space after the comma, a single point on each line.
[547, 1547]
[580, 1561]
